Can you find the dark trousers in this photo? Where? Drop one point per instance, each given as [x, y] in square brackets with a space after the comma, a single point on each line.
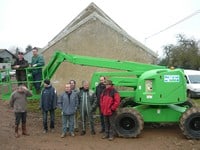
[52, 119]
[21, 80]
[20, 116]
[37, 78]
[102, 120]
[109, 124]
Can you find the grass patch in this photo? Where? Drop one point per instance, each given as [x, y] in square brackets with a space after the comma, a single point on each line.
[33, 106]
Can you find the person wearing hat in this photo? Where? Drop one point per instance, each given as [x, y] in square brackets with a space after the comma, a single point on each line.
[20, 64]
[109, 101]
[48, 103]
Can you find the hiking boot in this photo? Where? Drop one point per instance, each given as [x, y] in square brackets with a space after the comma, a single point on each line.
[63, 135]
[17, 135]
[44, 131]
[24, 131]
[83, 133]
[111, 138]
[105, 136]
[72, 134]
[16, 132]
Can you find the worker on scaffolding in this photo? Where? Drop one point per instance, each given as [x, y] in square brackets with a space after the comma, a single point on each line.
[20, 64]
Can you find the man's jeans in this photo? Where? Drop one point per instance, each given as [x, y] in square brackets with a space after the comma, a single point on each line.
[70, 120]
[52, 119]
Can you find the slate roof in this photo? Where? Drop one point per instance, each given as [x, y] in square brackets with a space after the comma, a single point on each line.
[2, 50]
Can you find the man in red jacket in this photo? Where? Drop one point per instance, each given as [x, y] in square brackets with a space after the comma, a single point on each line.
[109, 101]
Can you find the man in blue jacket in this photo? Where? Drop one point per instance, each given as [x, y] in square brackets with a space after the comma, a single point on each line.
[48, 104]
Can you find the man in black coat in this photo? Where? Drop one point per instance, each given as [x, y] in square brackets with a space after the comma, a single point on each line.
[99, 89]
[20, 64]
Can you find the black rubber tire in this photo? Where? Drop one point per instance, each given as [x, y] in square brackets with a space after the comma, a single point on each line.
[128, 123]
[190, 123]
[127, 102]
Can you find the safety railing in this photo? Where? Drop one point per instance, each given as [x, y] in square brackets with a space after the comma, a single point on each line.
[8, 82]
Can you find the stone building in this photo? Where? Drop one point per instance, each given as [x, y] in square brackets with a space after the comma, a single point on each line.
[93, 33]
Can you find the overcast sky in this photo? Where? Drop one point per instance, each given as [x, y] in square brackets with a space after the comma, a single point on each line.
[36, 22]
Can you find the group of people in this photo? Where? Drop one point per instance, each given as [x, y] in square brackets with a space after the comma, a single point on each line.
[72, 102]
[84, 102]
[37, 62]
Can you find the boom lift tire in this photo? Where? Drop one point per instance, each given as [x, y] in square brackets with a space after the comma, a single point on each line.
[190, 123]
[127, 102]
[128, 123]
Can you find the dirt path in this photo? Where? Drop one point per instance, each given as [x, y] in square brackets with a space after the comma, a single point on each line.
[163, 138]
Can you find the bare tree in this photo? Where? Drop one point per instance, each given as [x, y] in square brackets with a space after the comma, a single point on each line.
[185, 54]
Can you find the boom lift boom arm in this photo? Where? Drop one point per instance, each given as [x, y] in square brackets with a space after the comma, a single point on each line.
[59, 57]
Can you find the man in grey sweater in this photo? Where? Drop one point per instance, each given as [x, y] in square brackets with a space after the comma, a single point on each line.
[18, 101]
